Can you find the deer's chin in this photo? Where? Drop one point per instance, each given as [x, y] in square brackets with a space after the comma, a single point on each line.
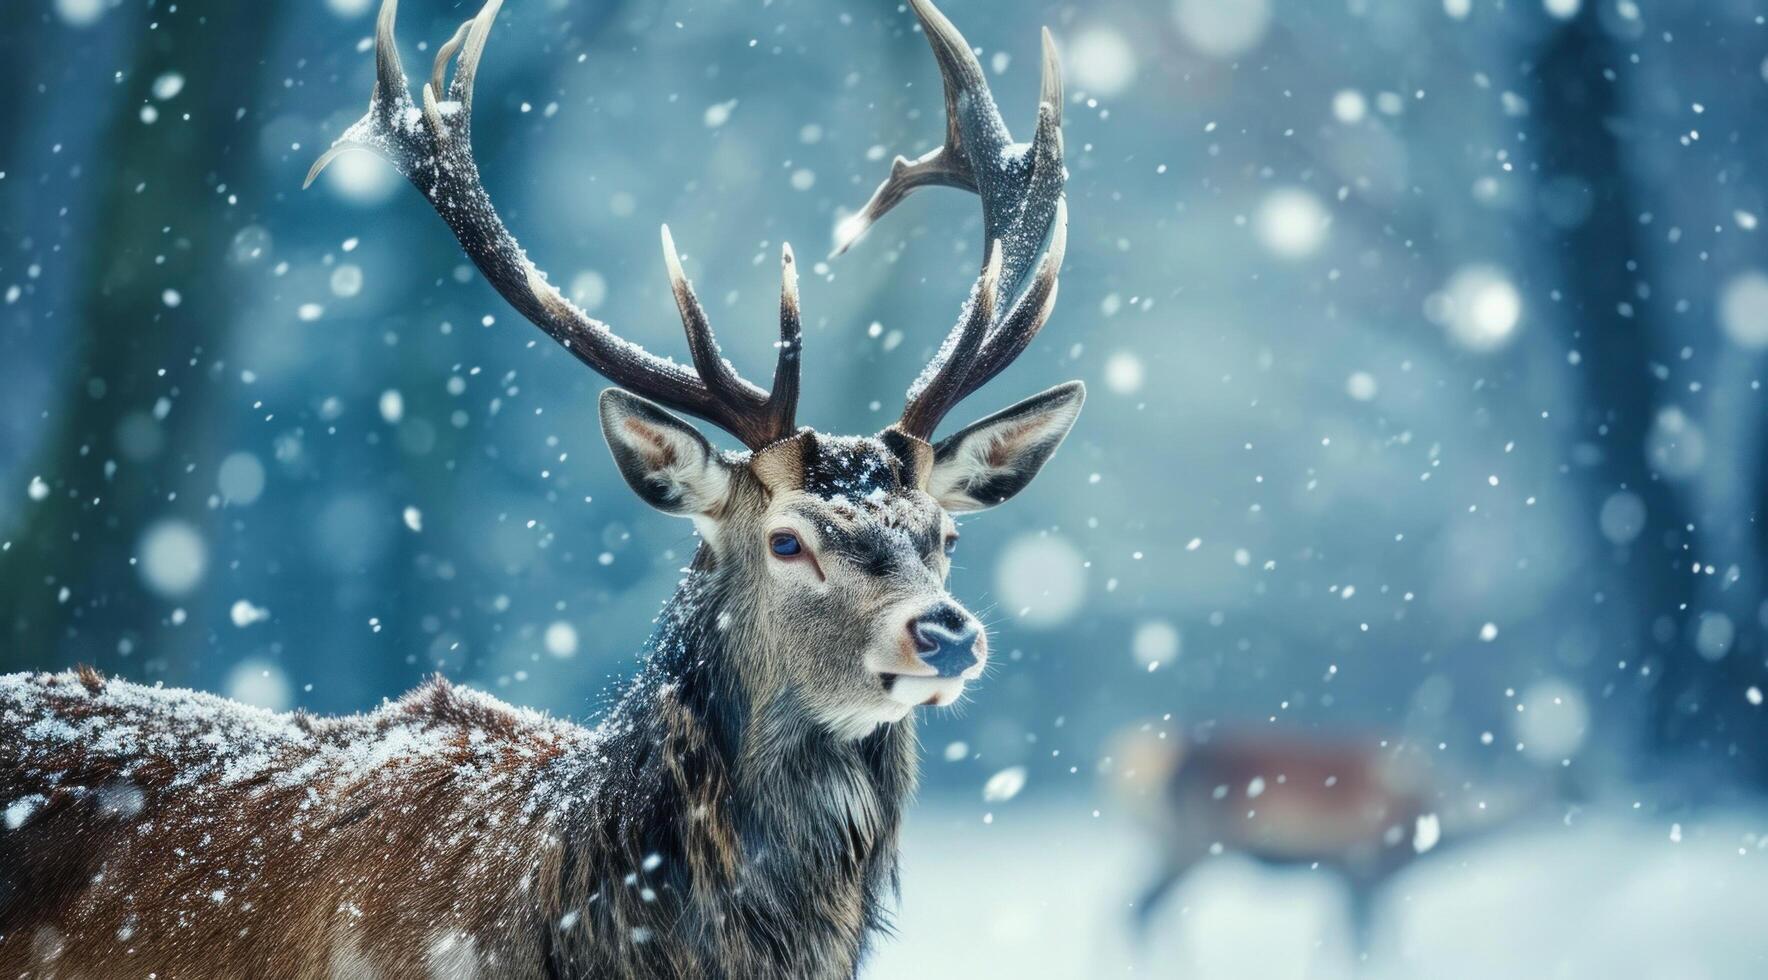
[914, 692]
[901, 696]
[862, 719]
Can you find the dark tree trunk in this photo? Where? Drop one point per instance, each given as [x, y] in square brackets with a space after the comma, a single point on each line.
[1644, 589]
[142, 359]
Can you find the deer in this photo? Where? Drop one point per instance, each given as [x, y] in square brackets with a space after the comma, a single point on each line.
[1357, 805]
[736, 812]
[1350, 805]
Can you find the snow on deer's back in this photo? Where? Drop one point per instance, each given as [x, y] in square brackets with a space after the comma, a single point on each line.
[180, 822]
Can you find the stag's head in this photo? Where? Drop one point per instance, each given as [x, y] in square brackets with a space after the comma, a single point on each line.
[831, 553]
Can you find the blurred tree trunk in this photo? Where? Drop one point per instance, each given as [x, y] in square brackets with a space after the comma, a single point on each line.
[23, 36]
[1709, 705]
[133, 440]
[1646, 587]
[44, 67]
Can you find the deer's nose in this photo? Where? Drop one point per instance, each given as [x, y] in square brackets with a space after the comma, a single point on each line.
[945, 638]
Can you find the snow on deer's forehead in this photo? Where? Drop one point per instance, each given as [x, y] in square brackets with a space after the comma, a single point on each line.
[857, 469]
[866, 502]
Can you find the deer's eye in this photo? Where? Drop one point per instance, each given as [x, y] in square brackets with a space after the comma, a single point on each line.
[785, 544]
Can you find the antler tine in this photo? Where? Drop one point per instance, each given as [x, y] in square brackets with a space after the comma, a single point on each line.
[1050, 75]
[1028, 315]
[709, 363]
[389, 73]
[783, 401]
[445, 54]
[941, 384]
[1020, 185]
[947, 165]
[437, 158]
[387, 103]
[775, 409]
[973, 354]
[978, 153]
[466, 71]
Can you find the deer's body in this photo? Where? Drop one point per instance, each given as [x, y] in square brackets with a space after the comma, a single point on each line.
[445, 834]
[157, 828]
[736, 813]
[1284, 800]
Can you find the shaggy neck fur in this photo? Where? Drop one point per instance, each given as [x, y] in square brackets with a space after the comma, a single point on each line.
[721, 832]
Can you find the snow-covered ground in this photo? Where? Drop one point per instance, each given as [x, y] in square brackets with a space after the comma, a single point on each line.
[1042, 892]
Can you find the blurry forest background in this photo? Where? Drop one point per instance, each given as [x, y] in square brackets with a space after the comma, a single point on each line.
[1425, 338]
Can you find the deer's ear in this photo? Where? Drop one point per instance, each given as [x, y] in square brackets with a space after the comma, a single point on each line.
[666, 461]
[987, 462]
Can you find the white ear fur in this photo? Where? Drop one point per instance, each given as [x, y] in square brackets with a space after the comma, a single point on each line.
[666, 461]
[987, 462]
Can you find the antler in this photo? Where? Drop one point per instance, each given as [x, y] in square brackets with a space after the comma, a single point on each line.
[1022, 205]
[431, 146]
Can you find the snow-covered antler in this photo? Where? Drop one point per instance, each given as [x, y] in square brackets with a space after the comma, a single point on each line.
[1022, 206]
[431, 145]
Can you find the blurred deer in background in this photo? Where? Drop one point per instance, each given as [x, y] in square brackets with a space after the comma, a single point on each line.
[1285, 799]
[737, 812]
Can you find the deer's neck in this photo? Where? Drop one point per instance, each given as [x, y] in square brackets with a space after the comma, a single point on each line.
[737, 831]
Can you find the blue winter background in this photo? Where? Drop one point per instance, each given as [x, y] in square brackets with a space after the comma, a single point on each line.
[1425, 342]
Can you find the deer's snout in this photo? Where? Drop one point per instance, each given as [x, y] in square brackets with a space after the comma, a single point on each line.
[947, 639]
